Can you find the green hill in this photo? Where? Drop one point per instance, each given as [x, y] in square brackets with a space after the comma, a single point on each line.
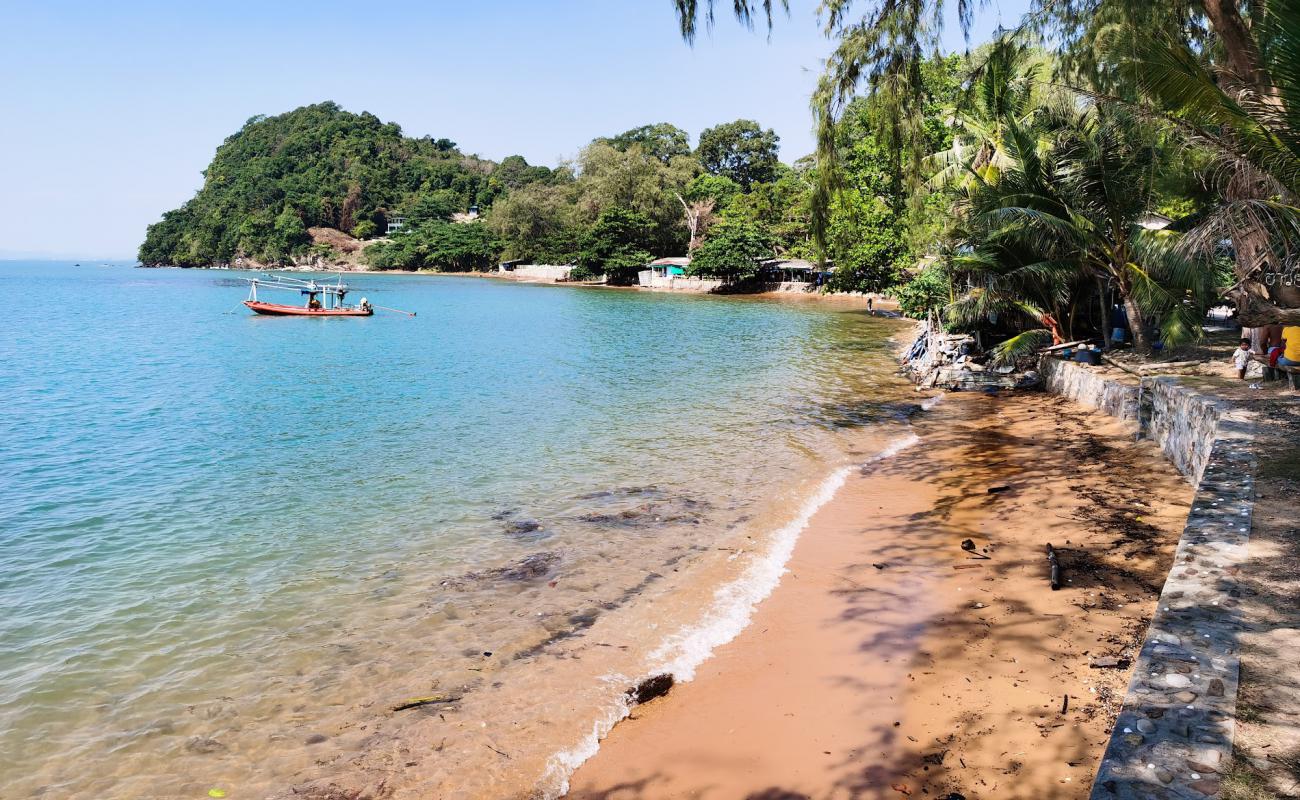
[315, 167]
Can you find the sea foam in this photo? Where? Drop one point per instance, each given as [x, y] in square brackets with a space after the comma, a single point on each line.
[729, 614]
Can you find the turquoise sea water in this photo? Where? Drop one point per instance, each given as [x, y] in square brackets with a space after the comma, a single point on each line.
[205, 513]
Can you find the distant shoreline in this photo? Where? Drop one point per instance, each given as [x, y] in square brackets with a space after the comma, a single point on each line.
[881, 303]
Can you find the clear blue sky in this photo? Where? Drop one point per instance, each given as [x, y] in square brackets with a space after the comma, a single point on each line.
[110, 111]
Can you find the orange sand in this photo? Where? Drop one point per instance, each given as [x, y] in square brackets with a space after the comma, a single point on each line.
[892, 663]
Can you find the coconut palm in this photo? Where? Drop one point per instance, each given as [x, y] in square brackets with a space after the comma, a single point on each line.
[1071, 213]
[1251, 126]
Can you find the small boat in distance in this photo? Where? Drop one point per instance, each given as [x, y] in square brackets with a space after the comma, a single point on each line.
[323, 300]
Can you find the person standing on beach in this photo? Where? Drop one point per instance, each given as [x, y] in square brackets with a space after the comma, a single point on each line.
[1241, 358]
[871, 306]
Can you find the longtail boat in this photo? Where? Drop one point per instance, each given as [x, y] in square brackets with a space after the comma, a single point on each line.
[322, 299]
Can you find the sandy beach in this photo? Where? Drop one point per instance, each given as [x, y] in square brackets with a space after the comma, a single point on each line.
[891, 662]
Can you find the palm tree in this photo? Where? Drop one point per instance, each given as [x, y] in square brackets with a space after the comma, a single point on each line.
[883, 49]
[1251, 126]
[1071, 212]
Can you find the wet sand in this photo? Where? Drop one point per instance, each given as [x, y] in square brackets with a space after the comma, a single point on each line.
[890, 662]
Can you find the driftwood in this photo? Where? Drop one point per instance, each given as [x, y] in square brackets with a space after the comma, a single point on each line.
[426, 701]
[1055, 565]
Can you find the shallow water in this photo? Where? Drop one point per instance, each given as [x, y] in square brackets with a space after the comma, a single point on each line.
[230, 544]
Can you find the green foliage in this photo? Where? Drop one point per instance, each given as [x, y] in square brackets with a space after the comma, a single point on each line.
[316, 166]
[616, 246]
[538, 223]
[928, 290]
[721, 190]
[741, 151]
[632, 180]
[365, 229]
[514, 172]
[438, 245]
[866, 243]
[661, 141]
[733, 251]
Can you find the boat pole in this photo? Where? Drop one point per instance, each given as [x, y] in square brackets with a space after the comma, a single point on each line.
[397, 310]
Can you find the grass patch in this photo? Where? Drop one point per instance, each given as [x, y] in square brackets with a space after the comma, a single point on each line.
[1244, 782]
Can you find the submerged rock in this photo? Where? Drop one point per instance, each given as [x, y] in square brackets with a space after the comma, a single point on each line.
[529, 568]
[202, 745]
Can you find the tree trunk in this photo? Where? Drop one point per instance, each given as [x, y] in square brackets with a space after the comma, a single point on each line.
[1238, 44]
[1105, 313]
[1141, 343]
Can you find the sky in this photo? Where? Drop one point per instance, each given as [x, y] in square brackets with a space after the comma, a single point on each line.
[109, 112]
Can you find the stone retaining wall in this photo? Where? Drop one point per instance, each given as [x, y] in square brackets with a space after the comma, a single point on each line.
[1174, 733]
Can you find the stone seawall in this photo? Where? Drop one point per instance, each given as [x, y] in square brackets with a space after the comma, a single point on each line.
[1184, 422]
[1173, 736]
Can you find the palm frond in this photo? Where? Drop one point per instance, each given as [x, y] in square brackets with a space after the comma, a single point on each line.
[1021, 346]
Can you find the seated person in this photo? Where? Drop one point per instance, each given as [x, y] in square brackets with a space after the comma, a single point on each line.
[1290, 347]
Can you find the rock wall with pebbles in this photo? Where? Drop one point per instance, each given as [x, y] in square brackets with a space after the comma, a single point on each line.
[1174, 733]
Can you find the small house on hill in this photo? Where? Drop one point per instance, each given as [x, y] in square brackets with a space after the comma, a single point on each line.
[395, 224]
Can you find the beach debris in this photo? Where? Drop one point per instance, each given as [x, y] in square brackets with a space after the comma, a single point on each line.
[317, 738]
[1055, 565]
[1065, 704]
[935, 758]
[879, 565]
[650, 688]
[966, 566]
[498, 752]
[900, 788]
[1109, 662]
[968, 545]
[215, 792]
[999, 489]
[426, 701]
[954, 796]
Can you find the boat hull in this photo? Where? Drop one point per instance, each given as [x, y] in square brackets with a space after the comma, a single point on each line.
[278, 310]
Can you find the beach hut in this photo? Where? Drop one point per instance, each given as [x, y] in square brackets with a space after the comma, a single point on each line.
[662, 269]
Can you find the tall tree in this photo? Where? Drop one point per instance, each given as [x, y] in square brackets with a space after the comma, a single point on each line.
[662, 140]
[741, 151]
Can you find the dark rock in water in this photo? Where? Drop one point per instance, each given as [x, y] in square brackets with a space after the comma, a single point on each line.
[203, 746]
[538, 565]
[523, 526]
[677, 511]
[317, 738]
[650, 688]
[504, 514]
[530, 568]
[622, 491]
